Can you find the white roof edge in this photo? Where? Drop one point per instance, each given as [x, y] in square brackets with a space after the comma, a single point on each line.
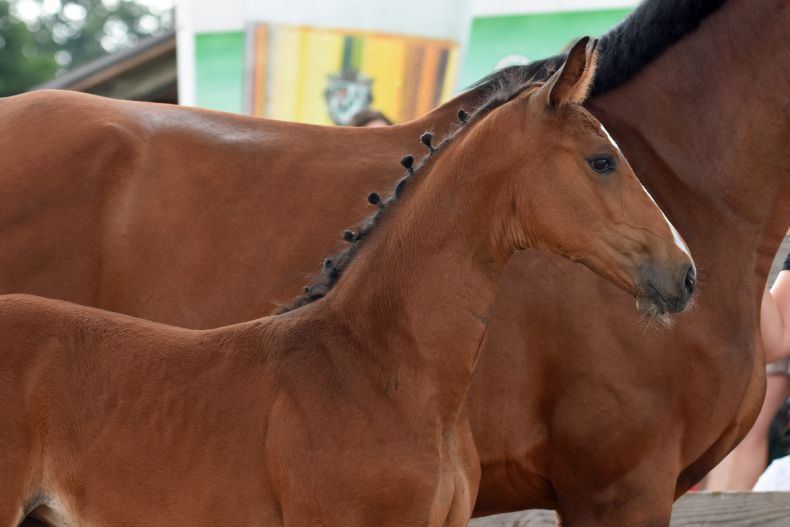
[482, 8]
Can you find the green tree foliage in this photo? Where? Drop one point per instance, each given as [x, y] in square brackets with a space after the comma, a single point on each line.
[22, 61]
[42, 37]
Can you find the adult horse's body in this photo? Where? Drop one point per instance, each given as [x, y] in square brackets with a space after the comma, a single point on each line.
[705, 125]
[616, 419]
[348, 411]
[150, 210]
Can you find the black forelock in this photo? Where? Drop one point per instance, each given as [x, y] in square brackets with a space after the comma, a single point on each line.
[499, 86]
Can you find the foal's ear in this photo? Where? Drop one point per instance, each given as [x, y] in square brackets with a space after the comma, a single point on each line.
[571, 83]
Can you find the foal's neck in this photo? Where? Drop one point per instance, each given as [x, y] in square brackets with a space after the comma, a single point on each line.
[418, 294]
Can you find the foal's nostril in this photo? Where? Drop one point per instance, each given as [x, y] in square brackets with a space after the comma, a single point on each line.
[691, 280]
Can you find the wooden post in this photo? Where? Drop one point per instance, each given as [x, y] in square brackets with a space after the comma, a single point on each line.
[719, 509]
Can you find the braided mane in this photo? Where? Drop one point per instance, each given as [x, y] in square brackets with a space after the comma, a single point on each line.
[649, 30]
[497, 91]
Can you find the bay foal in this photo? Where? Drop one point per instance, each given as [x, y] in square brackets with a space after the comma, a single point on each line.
[347, 411]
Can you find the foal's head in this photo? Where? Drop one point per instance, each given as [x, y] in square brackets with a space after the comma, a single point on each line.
[577, 196]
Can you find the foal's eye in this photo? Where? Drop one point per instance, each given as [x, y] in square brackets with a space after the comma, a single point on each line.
[602, 164]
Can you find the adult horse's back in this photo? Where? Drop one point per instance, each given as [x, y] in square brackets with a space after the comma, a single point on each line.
[179, 215]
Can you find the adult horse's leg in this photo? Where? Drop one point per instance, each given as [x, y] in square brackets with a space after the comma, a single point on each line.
[741, 468]
[641, 499]
[641, 512]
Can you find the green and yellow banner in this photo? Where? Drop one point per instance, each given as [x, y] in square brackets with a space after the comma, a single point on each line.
[325, 76]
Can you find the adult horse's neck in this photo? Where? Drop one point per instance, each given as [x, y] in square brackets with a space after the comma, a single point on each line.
[706, 126]
[441, 120]
[711, 119]
[419, 291]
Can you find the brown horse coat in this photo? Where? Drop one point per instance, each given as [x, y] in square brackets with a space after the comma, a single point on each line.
[348, 411]
[176, 214]
[705, 126]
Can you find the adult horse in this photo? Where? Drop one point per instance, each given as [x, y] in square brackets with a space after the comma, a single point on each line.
[176, 207]
[348, 411]
[612, 421]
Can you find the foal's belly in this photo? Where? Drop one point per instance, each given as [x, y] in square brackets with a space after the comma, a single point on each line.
[97, 509]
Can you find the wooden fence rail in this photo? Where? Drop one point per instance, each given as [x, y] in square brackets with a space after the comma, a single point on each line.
[699, 509]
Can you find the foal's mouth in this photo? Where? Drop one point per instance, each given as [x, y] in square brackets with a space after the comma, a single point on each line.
[650, 301]
[660, 304]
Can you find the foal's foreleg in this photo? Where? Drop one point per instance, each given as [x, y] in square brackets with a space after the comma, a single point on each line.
[19, 445]
[15, 475]
[11, 508]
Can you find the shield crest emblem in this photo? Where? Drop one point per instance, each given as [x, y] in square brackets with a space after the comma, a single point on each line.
[347, 93]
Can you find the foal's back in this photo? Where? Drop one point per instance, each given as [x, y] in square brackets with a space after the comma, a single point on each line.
[106, 397]
[98, 400]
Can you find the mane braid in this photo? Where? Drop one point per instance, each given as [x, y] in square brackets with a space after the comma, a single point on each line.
[501, 92]
[647, 32]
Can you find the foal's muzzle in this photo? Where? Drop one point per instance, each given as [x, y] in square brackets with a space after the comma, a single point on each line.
[664, 290]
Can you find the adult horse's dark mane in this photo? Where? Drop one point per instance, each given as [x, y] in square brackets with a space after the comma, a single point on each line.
[622, 52]
[645, 33]
[649, 30]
